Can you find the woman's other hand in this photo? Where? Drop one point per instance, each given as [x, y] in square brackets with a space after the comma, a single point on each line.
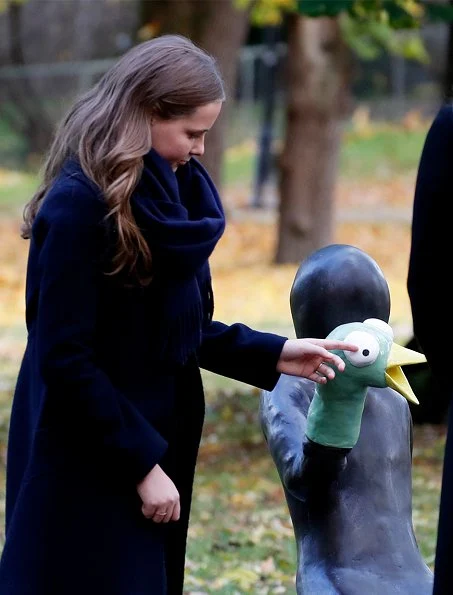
[159, 496]
[311, 359]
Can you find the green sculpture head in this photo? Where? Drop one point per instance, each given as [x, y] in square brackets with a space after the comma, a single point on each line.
[379, 359]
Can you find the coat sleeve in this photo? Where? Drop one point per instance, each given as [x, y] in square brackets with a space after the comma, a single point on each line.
[69, 268]
[430, 245]
[241, 353]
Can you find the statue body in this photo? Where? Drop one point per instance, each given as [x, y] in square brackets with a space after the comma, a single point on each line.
[354, 535]
[350, 502]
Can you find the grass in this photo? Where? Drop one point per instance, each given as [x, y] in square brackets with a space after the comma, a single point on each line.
[16, 188]
[375, 151]
[13, 147]
[385, 152]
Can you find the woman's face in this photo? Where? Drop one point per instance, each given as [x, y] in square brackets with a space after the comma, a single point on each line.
[178, 139]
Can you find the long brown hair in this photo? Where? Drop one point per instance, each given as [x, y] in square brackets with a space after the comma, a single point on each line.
[109, 130]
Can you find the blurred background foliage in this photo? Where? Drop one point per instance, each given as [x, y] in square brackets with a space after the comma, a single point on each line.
[328, 107]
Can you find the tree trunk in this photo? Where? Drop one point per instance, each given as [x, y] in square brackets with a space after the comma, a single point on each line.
[317, 100]
[29, 117]
[219, 28]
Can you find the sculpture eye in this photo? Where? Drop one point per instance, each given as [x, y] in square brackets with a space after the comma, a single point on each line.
[368, 350]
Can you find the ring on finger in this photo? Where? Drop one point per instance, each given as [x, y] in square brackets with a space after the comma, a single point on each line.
[161, 513]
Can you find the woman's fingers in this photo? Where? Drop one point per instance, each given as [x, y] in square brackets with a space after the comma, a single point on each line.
[342, 345]
[176, 512]
[312, 358]
[333, 357]
[159, 516]
[335, 360]
[317, 378]
[163, 514]
[171, 513]
[324, 370]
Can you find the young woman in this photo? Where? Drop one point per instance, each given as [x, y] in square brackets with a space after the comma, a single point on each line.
[108, 408]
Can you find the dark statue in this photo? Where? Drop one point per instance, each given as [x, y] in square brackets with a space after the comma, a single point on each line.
[348, 482]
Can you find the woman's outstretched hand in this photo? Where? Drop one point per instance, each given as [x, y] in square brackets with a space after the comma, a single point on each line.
[311, 359]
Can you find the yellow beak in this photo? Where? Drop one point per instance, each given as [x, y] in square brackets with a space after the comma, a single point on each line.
[394, 375]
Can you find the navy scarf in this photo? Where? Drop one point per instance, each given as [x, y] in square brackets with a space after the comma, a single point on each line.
[181, 218]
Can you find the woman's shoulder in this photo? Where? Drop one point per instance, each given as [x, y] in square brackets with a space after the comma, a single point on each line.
[73, 198]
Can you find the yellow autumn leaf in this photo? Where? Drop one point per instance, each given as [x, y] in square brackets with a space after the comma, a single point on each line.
[244, 578]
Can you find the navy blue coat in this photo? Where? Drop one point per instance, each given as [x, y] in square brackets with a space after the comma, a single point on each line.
[94, 410]
[429, 273]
